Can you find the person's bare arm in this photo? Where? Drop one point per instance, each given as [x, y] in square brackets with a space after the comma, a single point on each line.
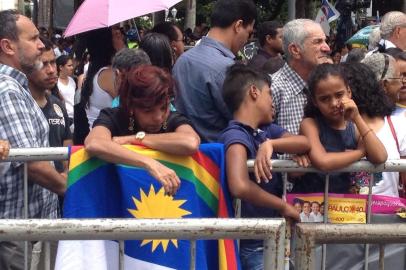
[106, 82]
[184, 141]
[4, 149]
[320, 158]
[45, 175]
[374, 149]
[292, 144]
[243, 188]
[65, 162]
[99, 143]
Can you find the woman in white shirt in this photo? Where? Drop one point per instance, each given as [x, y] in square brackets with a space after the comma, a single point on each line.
[376, 108]
[98, 88]
[66, 84]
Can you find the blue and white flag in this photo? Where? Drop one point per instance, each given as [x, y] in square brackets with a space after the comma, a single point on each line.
[326, 15]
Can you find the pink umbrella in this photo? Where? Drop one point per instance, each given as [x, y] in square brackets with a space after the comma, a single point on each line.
[94, 14]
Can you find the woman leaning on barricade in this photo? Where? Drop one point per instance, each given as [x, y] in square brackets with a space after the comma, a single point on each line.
[143, 117]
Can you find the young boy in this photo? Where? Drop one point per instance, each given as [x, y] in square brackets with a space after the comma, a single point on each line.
[251, 135]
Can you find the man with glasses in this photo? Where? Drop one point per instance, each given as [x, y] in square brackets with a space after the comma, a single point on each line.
[174, 35]
[401, 102]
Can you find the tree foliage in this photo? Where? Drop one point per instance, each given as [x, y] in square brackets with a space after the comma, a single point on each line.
[267, 10]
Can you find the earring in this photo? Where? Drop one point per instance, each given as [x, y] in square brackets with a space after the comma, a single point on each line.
[165, 125]
[131, 124]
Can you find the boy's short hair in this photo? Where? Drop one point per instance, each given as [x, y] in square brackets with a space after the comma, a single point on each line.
[238, 78]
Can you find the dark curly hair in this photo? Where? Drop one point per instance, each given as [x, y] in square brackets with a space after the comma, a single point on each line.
[367, 93]
[145, 86]
[321, 72]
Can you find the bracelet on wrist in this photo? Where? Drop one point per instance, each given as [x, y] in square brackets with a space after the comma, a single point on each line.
[366, 133]
[363, 135]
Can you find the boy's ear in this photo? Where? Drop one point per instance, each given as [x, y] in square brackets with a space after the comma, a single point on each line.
[268, 38]
[253, 92]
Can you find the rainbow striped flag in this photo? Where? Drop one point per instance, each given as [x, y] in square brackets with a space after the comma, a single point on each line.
[97, 189]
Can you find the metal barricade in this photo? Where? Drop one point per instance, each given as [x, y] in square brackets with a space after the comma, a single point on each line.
[309, 235]
[271, 230]
[284, 166]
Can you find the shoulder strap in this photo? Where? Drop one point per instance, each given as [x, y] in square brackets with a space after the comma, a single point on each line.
[392, 129]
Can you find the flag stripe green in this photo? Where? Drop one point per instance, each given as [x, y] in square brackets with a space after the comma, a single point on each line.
[201, 189]
[84, 169]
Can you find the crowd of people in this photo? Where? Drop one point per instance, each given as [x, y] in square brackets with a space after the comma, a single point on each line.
[295, 99]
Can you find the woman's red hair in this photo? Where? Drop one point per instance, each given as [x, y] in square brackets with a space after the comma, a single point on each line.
[145, 86]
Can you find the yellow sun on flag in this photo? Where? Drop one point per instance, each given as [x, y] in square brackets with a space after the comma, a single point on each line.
[158, 205]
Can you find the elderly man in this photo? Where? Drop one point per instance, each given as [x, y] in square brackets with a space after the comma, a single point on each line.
[305, 47]
[200, 71]
[123, 61]
[23, 124]
[393, 32]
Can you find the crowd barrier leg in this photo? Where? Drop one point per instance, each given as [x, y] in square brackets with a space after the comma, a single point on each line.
[121, 255]
[192, 255]
[308, 236]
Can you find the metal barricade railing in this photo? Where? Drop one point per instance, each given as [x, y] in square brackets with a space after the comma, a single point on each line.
[271, 230]
[284, 166]
[309, 235]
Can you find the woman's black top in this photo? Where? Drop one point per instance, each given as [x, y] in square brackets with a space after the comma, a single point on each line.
[118, 123]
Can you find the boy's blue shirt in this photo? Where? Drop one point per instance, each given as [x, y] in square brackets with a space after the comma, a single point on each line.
[239, 133]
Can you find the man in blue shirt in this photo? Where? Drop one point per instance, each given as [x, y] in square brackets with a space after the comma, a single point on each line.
[200, 72]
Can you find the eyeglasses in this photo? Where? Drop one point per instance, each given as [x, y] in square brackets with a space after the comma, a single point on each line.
[401, 79]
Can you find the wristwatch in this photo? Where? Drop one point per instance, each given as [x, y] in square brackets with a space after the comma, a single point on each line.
[140, 135]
